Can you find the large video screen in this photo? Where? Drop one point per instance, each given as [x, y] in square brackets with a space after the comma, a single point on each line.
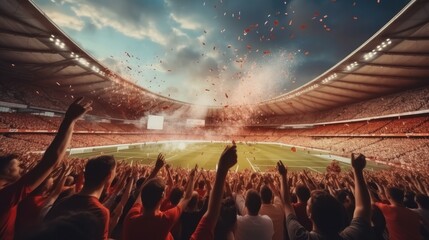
[155, 122]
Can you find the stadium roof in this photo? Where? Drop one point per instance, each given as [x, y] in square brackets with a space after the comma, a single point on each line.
[34, 50]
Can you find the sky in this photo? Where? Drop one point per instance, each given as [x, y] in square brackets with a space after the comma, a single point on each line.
[220, 52]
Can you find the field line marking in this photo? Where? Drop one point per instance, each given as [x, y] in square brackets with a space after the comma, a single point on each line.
[314, 169]
[251, 165]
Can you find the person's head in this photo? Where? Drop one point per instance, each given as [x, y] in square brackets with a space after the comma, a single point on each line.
[99, 172]
[395, 195]
[193, 203]
[266, 194]
[409, 199]
[302, 193]
[9, 167]
[343, 196]
[326, 213]
[175, 195]
[422, 201]
[201, 184]
[226, 220]
[253, 202]
[152, 193]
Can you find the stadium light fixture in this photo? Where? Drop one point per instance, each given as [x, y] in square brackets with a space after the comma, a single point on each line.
[351, 66]
[379, 48]
[303, 91]
[330, 78]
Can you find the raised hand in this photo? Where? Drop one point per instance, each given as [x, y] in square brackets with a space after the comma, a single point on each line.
[228, 158]
[77, 109]
[281, 168]
[160, 161]
[359, 162]
[193, 172]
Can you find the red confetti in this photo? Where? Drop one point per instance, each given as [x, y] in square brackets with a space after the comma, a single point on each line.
[303, 26]
[276, 22]
[267, 52]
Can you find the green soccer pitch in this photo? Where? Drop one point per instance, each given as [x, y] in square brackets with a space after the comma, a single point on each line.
[252, 156]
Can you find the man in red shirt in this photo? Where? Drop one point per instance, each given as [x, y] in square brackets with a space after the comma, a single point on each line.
[402, 223]
[99, 173]
[303, 194]
[13, 187]
[145, 220]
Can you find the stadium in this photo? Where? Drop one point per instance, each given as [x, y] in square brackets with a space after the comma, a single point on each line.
[374, 102]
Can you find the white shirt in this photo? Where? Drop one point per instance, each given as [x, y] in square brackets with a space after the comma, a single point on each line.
[275, 212]
[254, 227]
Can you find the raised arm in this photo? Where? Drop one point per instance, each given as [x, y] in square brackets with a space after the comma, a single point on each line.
[362, 198]
[227, 159]
[56, 151]
[288, 208]
[160, 162]
[189, 189]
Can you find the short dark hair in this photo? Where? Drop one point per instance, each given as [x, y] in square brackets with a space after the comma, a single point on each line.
[98, 169]
[201, 184]
[266, 194]
[152, 192]
[327, 213]
[253, 202]
[423, 201]
[175, 195]
[396, 194]
[5, 161]
[226, 220]
[193, 202]
[303, 193]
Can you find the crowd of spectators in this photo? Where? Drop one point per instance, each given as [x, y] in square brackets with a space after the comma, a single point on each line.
[400, 141]
[406, 101]
[100, 198]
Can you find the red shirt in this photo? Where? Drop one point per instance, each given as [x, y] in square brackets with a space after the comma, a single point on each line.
[79, 203]
[28, 216]
[10, 196]
[165, 205]
[157, 227]
[301, 215]
[201, 192]
[203, 231]
[402, 223]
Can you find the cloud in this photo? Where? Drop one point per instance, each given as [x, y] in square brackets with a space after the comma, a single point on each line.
[103, 18]
[185, 23]
[65, 21]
